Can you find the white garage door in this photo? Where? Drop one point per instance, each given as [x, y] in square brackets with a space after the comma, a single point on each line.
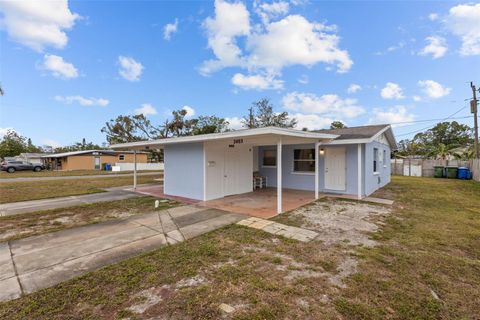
[238, 170]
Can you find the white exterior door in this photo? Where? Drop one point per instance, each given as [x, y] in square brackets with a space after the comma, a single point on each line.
[238, 170]
[335, 169]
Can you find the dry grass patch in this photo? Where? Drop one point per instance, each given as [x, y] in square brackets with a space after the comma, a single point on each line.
[30, 224]
[34, 190]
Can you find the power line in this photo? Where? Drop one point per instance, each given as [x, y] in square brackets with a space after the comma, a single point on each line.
[429, 120]
[450, 116]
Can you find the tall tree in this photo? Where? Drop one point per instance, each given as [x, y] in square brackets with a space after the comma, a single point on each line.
[12, 144]
[262, 115]
[210, 124]
[337, 125]
[129, 129]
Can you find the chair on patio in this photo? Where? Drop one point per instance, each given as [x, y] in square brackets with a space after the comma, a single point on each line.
[259, 182]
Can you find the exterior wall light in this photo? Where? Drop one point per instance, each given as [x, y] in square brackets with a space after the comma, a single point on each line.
[322, 152]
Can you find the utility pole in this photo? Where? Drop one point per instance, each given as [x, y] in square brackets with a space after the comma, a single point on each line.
[474, 110]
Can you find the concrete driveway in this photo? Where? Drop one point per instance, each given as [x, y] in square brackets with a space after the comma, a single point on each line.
[96, 176]
[38, 262]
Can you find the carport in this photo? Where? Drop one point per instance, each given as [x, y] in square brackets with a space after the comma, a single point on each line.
[220, 165]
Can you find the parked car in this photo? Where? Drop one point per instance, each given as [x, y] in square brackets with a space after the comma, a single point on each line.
[12, 166]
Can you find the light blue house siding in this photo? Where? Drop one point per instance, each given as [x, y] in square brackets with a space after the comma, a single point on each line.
[306, 181]
[374, 181]
[184, 174]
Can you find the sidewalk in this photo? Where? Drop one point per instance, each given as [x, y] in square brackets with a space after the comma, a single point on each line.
[113, 175]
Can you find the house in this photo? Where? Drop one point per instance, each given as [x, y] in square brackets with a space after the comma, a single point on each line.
[35, 158]
[91, 159]
[351, 161]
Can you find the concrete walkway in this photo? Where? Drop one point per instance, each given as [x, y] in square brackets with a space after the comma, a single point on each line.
[8, 209]
[30, 264]
[113, 175]
[280, 229]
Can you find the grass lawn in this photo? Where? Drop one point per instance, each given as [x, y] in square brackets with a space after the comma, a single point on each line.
[45, 173]
[426, 265]
[30, 224]
[33, 190]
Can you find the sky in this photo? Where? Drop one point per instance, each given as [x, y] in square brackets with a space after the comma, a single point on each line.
[67, 67]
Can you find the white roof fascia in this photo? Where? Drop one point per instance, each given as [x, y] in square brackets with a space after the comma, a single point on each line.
[228, 135]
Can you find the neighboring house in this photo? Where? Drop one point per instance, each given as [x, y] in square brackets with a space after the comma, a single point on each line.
[35, 158]
[91, 159]
[352, 161]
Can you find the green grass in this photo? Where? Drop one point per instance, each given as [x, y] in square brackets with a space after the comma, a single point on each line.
[34, 190]
[41, 222]
[46, 173]
[430, 242]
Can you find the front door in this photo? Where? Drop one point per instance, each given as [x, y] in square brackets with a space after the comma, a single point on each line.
[97, 163]
[238, 172]
[335, 169]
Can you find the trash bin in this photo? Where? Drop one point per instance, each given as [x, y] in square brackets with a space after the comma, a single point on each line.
[463, 173]
[439, 170]
[452, 172]
[108, 167]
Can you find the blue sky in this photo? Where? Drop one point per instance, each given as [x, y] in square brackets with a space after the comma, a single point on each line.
[68, 67]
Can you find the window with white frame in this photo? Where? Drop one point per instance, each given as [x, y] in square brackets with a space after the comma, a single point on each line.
[269, 158]
[375, 160]
[121, 157]
[304, 160]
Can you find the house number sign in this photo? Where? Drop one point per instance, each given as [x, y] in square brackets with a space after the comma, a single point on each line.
[237, 141]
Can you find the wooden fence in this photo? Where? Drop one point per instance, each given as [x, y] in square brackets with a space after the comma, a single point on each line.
[425, 168]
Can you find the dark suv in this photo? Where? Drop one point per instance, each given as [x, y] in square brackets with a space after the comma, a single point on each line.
[12, 166]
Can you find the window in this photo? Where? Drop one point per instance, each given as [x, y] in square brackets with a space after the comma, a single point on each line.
[269, 158]
[375, 160]
[121, 157]
[384, 158]
[304, 160]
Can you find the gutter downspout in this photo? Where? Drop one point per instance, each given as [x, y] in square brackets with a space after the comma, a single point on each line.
[134, 169]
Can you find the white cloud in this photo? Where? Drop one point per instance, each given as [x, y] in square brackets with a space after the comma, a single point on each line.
[235, 123]
[464, 21]
[417, 98]
[392, 91]
[231, 20]
[88, 102]
[433, 16]
[256, 82]
[391, 116]
[37, 24]
[293, 40]
[169, 29]
[296, 41]
[190, 111]
[329, 104]
[311, 121]
[146, 109]
[436, 46]
[353, 88]
[51, 143]
[130, 69]
[303, 79]
[58, 67]
[267, 11]
[433, 89]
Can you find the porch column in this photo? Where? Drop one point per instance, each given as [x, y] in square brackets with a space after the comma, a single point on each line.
[359, 168]
[134, 169]
[317, 165]
[279, 176]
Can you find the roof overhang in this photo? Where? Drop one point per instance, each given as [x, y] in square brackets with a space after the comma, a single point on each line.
[258, 135]
[388, 134]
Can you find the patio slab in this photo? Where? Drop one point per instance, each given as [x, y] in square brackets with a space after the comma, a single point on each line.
[300, 234]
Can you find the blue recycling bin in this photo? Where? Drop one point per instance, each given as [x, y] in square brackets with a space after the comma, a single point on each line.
[463, 173]
[108, 167]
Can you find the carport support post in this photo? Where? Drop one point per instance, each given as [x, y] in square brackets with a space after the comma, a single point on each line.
[317, 164]
[134, 169]
[359, 168]
[279, 176]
